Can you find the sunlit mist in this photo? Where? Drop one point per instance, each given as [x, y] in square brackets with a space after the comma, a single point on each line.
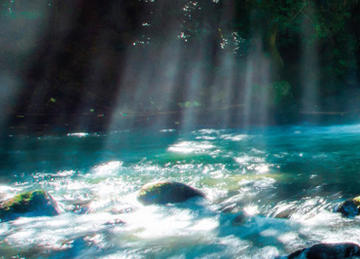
[179, 129]
[310, 65]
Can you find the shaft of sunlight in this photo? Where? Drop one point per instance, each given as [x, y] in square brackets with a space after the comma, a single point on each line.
[256, 89]
[309, 65]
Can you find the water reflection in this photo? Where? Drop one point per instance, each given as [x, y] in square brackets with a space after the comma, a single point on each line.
[281, 187]
[191, 147]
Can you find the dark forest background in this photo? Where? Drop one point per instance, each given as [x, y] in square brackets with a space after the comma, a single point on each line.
[69, 64]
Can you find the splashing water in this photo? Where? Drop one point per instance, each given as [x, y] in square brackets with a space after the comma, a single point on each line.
[269, 192]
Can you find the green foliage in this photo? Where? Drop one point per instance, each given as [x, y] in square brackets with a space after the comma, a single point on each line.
[204, 30]
[281, 91]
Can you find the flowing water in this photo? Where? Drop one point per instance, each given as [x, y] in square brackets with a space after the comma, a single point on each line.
[285, 182]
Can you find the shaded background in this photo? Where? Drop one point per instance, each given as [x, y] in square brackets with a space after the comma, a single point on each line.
[93, 65]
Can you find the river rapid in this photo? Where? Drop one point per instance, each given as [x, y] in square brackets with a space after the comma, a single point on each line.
[269, 192]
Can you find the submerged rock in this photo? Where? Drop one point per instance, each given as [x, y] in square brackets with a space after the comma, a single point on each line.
[167, 192]
[32, 203]
[326, 251]
[350, 208]
[239, 219]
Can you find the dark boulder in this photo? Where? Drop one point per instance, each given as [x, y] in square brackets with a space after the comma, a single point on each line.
[327, 251]
[32, 203]
[167, 192]
[350, 208]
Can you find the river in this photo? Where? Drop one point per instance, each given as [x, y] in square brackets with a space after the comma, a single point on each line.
[284, 182]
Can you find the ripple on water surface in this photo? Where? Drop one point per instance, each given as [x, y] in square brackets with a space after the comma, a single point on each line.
[280, 185]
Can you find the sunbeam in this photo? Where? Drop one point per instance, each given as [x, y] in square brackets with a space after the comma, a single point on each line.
[179, 129]
[310, 65]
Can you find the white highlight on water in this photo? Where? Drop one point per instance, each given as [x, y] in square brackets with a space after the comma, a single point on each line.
[188, 147]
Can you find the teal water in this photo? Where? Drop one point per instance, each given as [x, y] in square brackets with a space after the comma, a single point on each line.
[303, 172]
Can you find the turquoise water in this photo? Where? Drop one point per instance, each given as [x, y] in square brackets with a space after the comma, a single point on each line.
[302, 172]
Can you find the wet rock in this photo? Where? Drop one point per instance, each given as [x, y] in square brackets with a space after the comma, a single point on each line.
[326, 251]
[167, 192]
[122, 210]
[350, 208]
[114, 222]
[32, 203]
[228, 208]
[80, 207]
[285, 214]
